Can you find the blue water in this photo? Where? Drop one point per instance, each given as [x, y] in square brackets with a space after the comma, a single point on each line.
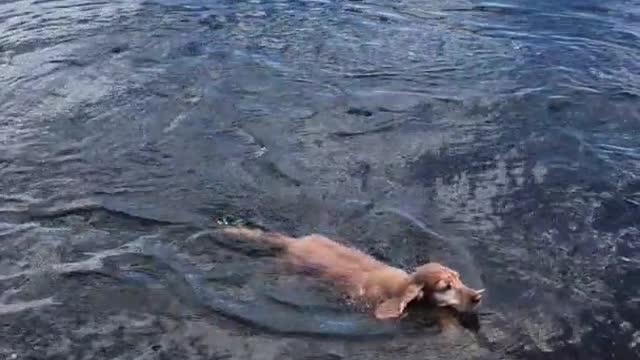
[501, 138]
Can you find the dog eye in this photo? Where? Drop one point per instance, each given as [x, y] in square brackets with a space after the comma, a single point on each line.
[446, 287]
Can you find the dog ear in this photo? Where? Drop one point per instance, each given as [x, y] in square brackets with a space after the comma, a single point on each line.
[394, 307]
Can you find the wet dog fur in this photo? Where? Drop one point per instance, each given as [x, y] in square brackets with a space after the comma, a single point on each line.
[386, 289]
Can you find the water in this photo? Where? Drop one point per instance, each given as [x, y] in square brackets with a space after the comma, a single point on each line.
[499, 137]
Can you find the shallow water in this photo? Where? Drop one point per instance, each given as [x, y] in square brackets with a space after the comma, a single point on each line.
[498, 137]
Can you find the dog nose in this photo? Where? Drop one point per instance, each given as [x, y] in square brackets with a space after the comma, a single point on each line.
[477, 297]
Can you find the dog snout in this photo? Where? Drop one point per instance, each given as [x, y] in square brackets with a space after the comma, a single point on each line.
[476, 296]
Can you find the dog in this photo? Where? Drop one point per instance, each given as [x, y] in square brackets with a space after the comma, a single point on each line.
[365, 280]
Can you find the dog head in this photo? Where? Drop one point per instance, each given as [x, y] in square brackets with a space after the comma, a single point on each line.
[436, 283]
[443, 287]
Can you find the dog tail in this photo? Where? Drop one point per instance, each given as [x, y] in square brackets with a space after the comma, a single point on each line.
[258, 236]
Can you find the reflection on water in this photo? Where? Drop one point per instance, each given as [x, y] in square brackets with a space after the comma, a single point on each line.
[498, 137]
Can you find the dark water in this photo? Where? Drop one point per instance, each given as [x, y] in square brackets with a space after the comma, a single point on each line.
[499, 137]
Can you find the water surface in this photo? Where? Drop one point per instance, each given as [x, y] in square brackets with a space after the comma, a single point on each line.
[498, 137]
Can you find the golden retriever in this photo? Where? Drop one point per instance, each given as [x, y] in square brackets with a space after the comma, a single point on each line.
[368, 281]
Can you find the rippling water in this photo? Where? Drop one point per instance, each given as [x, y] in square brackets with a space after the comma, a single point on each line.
[499, 137]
